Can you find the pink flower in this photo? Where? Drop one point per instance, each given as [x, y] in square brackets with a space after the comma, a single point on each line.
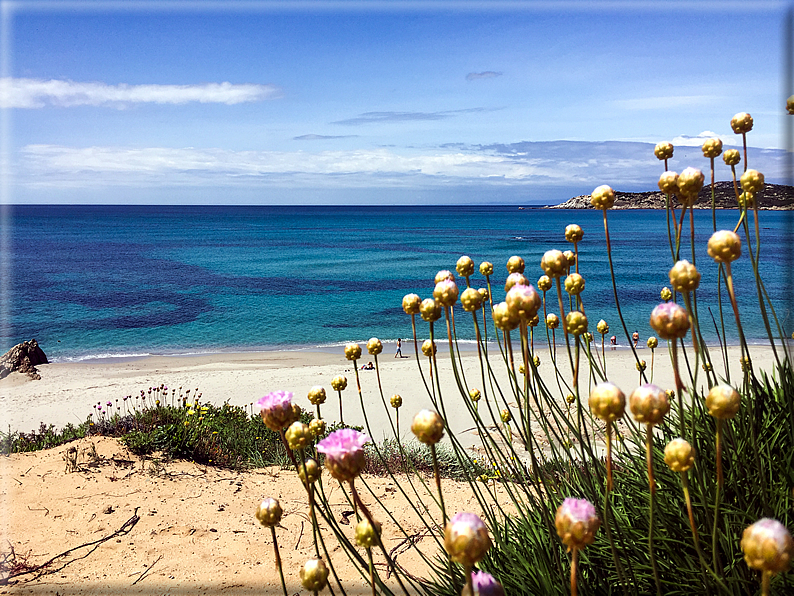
[577, 522]
[466, 538]
[276, 410]
[344, 453]
[485, 585]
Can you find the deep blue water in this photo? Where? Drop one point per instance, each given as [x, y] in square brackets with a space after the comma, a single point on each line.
[89, 281]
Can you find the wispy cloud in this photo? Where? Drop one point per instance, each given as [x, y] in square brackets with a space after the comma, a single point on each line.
[488, 74]
[313, 137]
[664, 102]
[697, 140]
[380, 117]
[38, 93]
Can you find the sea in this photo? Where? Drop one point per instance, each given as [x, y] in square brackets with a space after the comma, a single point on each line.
[101, 281]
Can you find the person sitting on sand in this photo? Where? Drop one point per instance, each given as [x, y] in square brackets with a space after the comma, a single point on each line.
[635, 337]
[368, 366]
[399, 353]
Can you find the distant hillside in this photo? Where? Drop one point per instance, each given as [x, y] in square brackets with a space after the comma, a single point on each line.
[774, 196]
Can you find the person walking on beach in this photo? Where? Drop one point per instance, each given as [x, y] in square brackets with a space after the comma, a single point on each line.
[614, 341]
[636, 337]
[399, 353]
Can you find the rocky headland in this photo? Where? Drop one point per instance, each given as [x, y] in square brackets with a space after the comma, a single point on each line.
[772, 197]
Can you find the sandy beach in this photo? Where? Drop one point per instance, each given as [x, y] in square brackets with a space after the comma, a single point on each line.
[182, 528]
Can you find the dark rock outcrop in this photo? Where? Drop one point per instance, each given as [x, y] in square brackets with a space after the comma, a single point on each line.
[773, 196]
[23, 358]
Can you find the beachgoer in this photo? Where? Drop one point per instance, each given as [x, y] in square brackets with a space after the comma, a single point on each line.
[399, 353]
[635, 337]
[614, 341]
[368, 366]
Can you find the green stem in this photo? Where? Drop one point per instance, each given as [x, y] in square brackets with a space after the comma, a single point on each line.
[574, 552]
[652, 488]
[437, 474]
[715, 557]
[278, 560]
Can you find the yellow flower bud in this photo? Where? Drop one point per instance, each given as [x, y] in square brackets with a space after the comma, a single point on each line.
[312, 472]
[471, 300]
[411, 304]
[486, 268]
[690, 181]
[602, 327]
[603, 197]
[515, 264]
[339, 383]
[649, 404]
[428, 427]
[484, 294]
[396, 401]
[367, 534]
[663, 151]
[742, 123]
[746, 200]
[712, 148]
[515, 279]
[465, 266]
[505, 415]
[573, 233]
[752, 181]
[430, 310]
[552, 321]
[577, 523]
[554, 263]
[475, 395]
[298, 435]
[652, 342]
[723, 401]
[429, 348]
[641, 365]
[570, 256]
[444, 275]
[466, 539]
[576, 322]
[536, 361]
[523, 302]
[314, 575]
[374, 346]
[669, 320]
[607, 402]
[668, 182]
[521, 369]
[684, 277]
[679, 455]
[269, 512]
[317, 427]
[574, 284]
[725, 246]
[731, 157]
[317, 395]
[544, 283]
[352, 351]
[790, 105]
[570, 398]
[534, 321]
[767, 546]
[446, 292]
[666, 294]
[503, 318]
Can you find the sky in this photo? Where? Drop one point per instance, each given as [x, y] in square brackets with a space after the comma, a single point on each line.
[377, 102]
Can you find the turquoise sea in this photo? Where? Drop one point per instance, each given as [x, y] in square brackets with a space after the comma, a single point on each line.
[104, 281]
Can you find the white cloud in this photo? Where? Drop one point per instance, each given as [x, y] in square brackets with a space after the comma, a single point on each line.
[697, 140]
[38, 93]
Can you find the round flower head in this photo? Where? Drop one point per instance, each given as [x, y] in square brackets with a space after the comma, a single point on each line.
[484, 584]
[503, 318]
[515, 264]
[602, 327]
[570, 398]
[505, 414]
[742, 123]
[573, 233]
[523, 302]
[269, 512]
[790, 105]
[430, 310]
[552, 321]
[752, 181]
[653, 342]
[312, 472]
[534, 321]
[668, 182]
[486, 268]
[471, 300]
[314, 575]
[725, 246]
[374, 346]
[747, 200]
[339, 383]
[317, 395]
[298, 435]
[577, 522]
[521, 371]
[723, 401]
[679, 455]
[607, 402]
[428, 427]
[536, 361]
[352, 351]
[465, 266]
[666, 294]
[663, 151]
[411, 304]
[396, 401]
[767, 546]
[641, 365]
[603, 197]
[544, 283]
[684, 277]
[690, 181]
[670, 320]
[443, 275]
[554, 263]
[276, 410]
[515, 279]
[731, 157]
[466, 539]
[484, 293]
[475, 395]
[570, 256]
[367, 533]
[576, 322]
[429, 348]
[344, 453]
[317, 427]
[649, 404]
[574, 284]
[712, 148]
[446, 292]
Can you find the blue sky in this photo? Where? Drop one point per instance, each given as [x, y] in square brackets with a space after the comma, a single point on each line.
[377, 102]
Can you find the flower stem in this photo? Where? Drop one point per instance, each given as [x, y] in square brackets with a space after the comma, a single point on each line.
[715, 558]
[652, 489]
[437, 474]
[574, 558]
[278, 560]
